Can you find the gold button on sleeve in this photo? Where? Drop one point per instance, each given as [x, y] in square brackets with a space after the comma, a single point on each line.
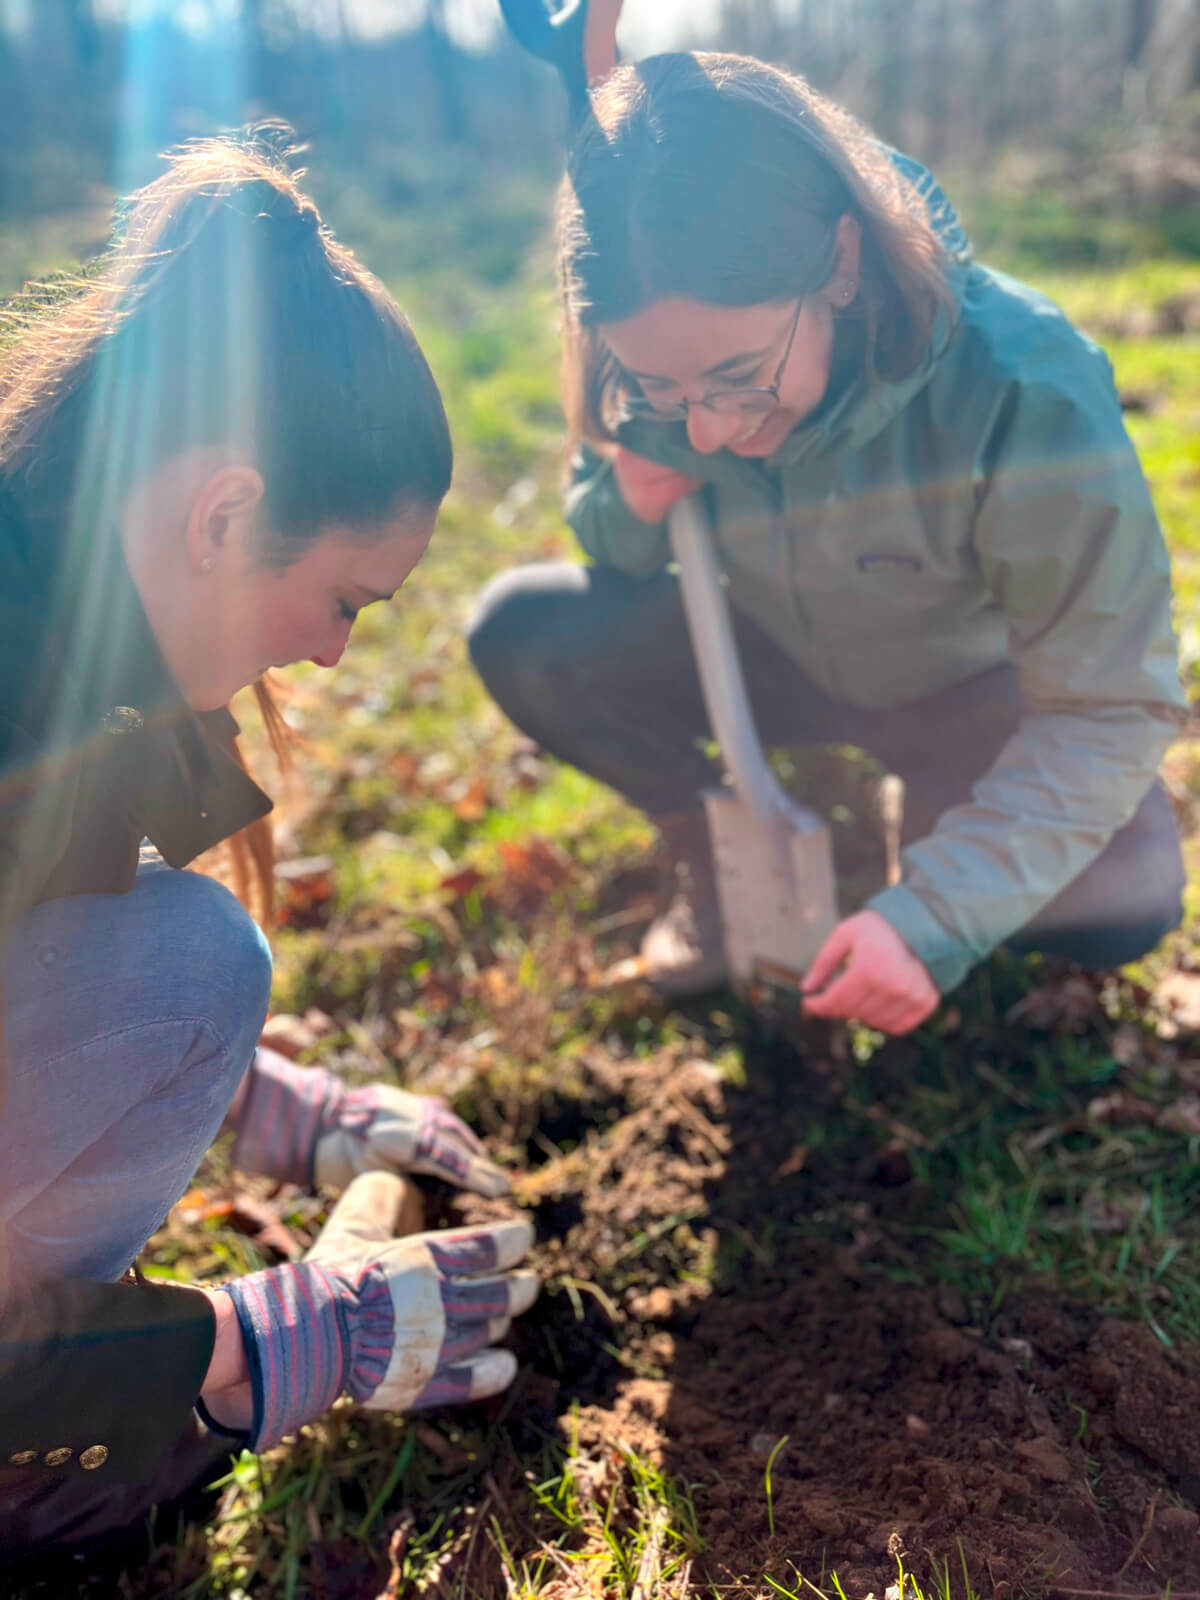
[59, 1457]
[22, 1458]
[94, 1456]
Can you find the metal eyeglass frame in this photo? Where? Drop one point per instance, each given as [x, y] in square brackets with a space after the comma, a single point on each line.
[725, 402]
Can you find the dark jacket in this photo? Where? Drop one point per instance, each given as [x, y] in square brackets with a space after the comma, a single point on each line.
[97, 752]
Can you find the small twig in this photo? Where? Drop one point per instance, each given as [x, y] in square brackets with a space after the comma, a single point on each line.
[1147, 1524]
[476, 1524]
[891, 812]
[900, 1131]
[496, 1493]
[623, 919]
[989, 1075]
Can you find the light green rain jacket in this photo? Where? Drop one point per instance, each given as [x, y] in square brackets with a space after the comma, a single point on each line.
[989, 507]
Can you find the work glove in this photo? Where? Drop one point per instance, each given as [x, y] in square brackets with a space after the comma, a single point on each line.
[303, 1125]
[398, 1324]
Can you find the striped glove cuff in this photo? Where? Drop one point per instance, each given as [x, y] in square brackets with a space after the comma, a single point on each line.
[310, 1334]
[285, 1110]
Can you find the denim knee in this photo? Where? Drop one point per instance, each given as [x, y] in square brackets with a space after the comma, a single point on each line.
[212, 960]
[130, 1020]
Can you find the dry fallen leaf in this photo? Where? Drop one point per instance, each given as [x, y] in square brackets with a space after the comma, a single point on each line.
[1180, 993]
[1182, 1117]
[304, 891]
[263, 1223]
[472, 804]
[793, 1162]
[632, 969]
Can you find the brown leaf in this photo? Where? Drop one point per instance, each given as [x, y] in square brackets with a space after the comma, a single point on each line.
[462, 883]
[1183, 1116]
[498, 986]
[793, 1162]
[472, 804]
[403, 767]
[264, 1224]
[1068, 1004]
[532, 871]
[290, 1034]
[304, 891]
[1121, 1107]
[438, 993]
[632, 969]
[1180, 993]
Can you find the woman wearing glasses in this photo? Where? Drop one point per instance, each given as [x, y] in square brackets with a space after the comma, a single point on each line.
[939, 543]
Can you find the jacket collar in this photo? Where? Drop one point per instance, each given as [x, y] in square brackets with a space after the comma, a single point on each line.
[81, 664]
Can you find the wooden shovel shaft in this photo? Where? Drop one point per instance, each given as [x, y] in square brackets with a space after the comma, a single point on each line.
[721, 673]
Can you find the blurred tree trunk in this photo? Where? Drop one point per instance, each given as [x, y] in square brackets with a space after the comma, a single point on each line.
[450, 106]
[1171, 52]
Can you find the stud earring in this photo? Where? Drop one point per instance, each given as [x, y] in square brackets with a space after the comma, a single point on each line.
[849, 290]
[206, 564]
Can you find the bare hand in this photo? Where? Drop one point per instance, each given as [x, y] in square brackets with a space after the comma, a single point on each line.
[876, 979]
[647, 488]
[600, 38]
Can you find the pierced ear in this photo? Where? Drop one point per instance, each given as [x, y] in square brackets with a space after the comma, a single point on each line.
[221, 522]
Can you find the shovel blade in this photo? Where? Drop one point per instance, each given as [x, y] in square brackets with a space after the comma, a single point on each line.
[775, 887]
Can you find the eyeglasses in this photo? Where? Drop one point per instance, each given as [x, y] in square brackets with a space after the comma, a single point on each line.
[750, 398]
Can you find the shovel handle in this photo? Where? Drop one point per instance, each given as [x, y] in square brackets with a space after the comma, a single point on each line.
[720, 668]
[578, 39]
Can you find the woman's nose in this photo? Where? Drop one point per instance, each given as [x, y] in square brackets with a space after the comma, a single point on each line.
[710, 430]
[335, 650]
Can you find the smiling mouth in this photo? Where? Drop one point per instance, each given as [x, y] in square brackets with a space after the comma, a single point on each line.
[750, 434]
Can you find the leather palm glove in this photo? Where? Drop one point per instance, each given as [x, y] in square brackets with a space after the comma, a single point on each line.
[303, 1125]
[398, 1324]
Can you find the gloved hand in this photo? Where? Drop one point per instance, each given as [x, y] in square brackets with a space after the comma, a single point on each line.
[399, 1324]
[303, 1125]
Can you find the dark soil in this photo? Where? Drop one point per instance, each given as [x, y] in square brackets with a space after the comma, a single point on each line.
[1045, 1447]
[716, 1286]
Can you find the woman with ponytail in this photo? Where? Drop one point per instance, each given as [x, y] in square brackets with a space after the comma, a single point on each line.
[212, 457]
[939, 544]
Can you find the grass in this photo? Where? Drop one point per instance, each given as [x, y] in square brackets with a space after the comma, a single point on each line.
[1044, 1143]
[625, 1530]
[905, 1587]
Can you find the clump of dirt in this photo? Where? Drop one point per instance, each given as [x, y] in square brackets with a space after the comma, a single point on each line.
[714, 1300]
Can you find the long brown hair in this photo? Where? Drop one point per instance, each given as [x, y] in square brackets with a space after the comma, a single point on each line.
[718, 178]
[223, 312]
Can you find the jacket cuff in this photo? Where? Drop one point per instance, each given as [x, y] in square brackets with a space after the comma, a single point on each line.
[106, 1372]
[945, 958]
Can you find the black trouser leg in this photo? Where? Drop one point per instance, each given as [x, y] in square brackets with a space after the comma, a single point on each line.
[598, 668]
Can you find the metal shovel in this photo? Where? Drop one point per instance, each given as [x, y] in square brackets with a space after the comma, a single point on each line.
[774, 862]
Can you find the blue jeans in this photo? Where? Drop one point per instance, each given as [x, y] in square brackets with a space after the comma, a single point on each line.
[130, 1020]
